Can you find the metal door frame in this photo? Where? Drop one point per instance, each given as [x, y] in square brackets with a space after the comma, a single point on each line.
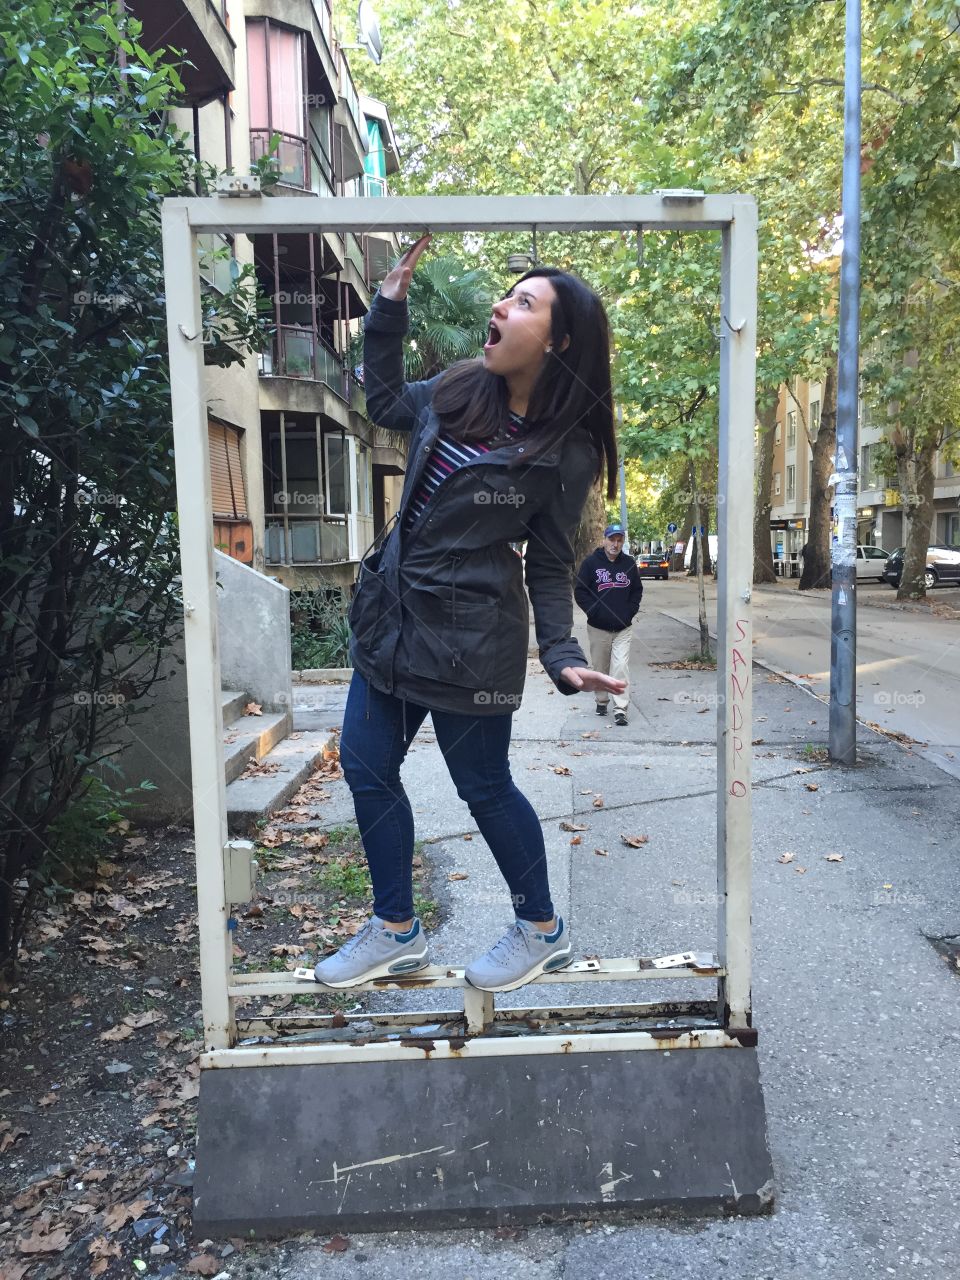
[240, 208]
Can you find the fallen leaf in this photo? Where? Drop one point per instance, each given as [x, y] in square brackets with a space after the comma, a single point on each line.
[468, 837]
[48, 1099]
[337, 1244]
[602, 853]
[145, 1019]
[786, 857]
[119, 1032]
[634, 842]
[253, 709]
[458, 875]
[115, 1217]
[598, 802]
[812, 786]
[561, 769]
[203, 1264]
[576, 839]
[801, 871]
[834, 857]
[54, 1242]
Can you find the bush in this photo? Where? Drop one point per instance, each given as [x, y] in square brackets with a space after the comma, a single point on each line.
[320, 633]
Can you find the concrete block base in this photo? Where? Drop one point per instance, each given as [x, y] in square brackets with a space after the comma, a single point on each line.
[429, 1144]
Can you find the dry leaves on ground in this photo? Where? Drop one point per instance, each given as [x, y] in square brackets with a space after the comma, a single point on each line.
[634, 842]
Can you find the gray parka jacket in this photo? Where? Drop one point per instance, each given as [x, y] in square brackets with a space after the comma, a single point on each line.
[439, 616]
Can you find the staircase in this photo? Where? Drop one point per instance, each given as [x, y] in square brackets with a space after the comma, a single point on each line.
[278, 750]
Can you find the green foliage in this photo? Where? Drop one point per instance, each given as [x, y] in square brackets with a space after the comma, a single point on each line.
[320, 633]
[93, 825]
[449, 315]
[89, 562]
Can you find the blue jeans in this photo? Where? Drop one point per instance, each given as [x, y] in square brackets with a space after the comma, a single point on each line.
[475, 751]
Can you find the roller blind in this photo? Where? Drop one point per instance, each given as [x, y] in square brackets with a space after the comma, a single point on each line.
[226, 476]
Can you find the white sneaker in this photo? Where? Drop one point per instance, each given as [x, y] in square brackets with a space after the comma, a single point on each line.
[522, 954]
[375, 952]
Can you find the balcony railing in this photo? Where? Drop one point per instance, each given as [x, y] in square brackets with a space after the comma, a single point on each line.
[350, 97]
[306, 539]
[291, 157]
[322, 10]
[299, 352]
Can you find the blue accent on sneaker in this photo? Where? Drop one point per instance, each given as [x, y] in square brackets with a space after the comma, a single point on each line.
[409, 935]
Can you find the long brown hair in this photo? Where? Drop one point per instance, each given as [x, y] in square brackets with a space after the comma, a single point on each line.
[572, 390]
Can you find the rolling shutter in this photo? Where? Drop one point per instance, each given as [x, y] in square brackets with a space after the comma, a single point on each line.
[226, 476]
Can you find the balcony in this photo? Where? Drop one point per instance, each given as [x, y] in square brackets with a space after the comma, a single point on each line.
[290, 159]
[199, 28]
[306, 539]
[350, 123]
[300, 352]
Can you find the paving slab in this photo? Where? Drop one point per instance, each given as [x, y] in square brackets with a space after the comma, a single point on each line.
[858, 1017]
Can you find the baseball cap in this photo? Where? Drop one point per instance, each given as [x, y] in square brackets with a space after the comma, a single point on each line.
[613, 528]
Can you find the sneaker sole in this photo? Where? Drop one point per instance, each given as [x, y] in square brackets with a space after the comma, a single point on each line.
[549, 965]
[392, 969]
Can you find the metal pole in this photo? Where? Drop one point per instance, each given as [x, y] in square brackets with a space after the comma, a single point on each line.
[623, 488]
[738, 349]
[843, 645]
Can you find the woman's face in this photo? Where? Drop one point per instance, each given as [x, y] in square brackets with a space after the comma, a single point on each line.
[520, 328]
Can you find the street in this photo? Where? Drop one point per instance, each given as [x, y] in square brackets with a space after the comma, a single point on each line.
[908, 663]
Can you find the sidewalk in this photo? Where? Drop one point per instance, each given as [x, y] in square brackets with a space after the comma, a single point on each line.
[859, 1018]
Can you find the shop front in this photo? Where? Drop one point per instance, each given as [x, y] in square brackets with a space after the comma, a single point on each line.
[787, 538]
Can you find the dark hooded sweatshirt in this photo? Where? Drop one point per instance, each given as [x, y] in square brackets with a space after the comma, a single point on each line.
[608, 591]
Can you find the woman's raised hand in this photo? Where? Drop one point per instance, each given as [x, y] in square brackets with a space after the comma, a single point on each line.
[397, 282]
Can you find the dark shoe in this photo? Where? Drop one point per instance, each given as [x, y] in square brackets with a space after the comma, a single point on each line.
[601, 708]
[620, 717]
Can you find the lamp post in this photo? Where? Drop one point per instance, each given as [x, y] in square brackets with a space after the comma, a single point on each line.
[843, 615]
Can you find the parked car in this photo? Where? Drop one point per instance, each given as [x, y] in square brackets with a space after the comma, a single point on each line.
[943, 566]
[870, 563]
[654, 564]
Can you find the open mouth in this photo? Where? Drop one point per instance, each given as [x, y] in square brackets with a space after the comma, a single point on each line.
[493, 337]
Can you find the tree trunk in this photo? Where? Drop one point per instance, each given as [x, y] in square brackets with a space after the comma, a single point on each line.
[699, 509]
[589, 533]
[915, 474]
[762, 550]
[817, 559]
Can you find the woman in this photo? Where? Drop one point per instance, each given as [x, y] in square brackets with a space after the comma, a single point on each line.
[502, 449]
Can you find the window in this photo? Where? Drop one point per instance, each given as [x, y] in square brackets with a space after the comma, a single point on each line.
[814, 418]
[778, 434]
[277, 99]
[303, 487]
[776, 483]
[226, 476]
[951, 534]
[791, 428]
[869, 476]
[364, 480]
[335, 474]
[791, 482]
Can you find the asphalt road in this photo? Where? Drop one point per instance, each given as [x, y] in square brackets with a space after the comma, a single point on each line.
[908, 663]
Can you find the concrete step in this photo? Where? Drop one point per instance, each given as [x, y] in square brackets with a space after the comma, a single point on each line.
[251, 738]
[251, 799]
[232, 702]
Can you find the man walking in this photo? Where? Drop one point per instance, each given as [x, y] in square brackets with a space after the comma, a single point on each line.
[609, 590]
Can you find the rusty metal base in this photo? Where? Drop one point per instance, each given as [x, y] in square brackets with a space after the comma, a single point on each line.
[382, 1146]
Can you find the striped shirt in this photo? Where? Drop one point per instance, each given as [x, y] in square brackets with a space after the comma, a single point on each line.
[449, 455]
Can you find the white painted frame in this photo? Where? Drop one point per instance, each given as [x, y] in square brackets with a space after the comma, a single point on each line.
[735, 216]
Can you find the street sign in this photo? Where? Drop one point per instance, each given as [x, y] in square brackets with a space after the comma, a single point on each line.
[671, 528]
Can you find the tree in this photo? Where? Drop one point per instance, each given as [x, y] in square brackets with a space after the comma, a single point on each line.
[449, 315]
[88, 550]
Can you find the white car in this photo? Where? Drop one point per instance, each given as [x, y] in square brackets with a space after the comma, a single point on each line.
[870, 563]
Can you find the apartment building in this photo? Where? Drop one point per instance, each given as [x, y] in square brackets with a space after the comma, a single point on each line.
[879, 507]
[301, 479]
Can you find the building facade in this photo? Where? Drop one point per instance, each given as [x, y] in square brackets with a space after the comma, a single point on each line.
[880, 521]
[301, 479]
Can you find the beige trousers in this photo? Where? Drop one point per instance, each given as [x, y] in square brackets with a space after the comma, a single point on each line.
[610, 653]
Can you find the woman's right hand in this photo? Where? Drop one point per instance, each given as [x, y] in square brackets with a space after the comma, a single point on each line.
[397, 282]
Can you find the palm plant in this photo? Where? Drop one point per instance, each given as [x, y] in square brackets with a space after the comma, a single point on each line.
[449, 315]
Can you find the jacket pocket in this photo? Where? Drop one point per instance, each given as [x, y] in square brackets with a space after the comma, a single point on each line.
[365, 607]
[453, 636]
